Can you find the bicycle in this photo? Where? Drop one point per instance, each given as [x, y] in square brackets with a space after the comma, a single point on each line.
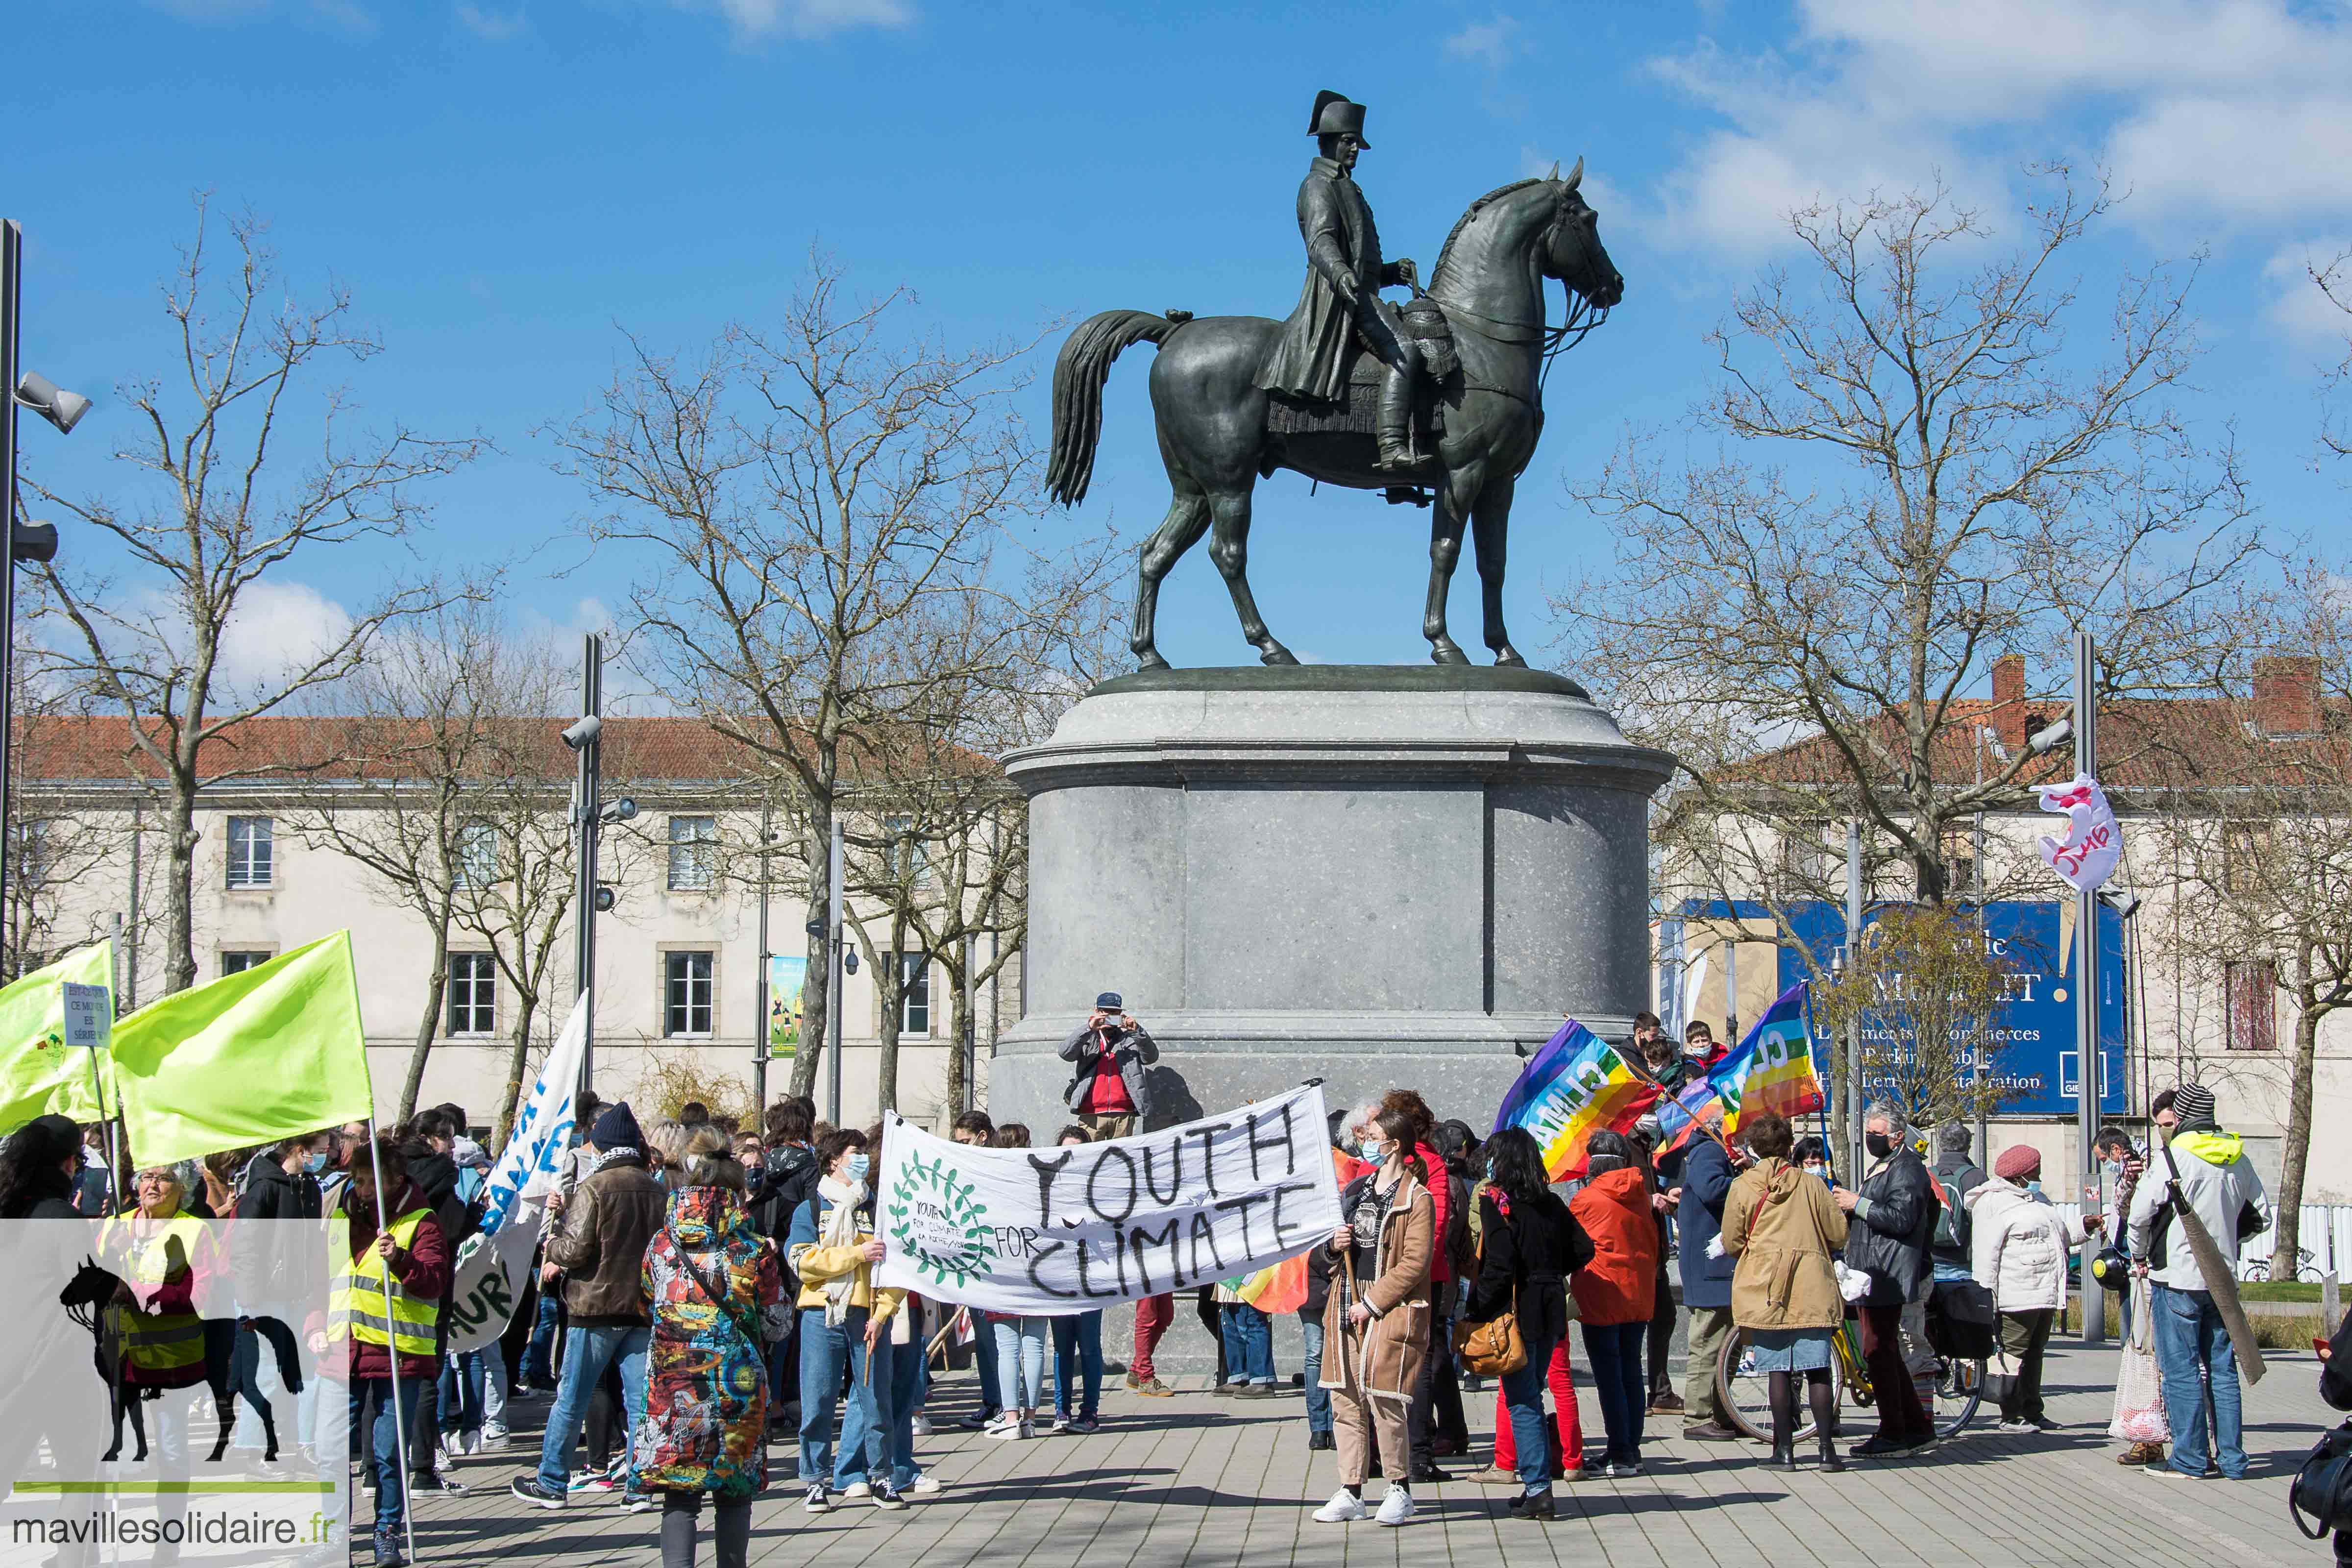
[1744, 1390]
[2256, 1270]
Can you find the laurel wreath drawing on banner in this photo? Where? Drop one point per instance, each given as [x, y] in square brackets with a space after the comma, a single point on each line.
[936, 1217]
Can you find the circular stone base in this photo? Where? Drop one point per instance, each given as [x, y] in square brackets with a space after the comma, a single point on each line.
[1375, 875]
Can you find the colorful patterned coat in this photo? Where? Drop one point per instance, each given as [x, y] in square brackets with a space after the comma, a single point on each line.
[706, 1420]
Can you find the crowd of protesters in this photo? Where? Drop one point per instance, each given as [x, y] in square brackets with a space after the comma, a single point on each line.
[706, 1293]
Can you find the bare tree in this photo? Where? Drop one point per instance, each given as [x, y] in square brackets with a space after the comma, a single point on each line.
[2257, 815]
[1923, 994]
[1915, 474]
[434, 727]
[216, 506]
[810, 492]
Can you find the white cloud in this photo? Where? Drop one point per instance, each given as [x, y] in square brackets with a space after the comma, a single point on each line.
[279, 629]
[2239, 111]
[497, 27]
[2301, 306]
[804, 18]
[1494, 42]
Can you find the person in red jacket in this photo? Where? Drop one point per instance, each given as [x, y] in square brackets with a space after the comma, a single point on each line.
[394, 1286]
[1616, 1292]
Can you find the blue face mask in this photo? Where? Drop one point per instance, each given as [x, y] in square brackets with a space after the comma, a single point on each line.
[858, 1165]
[315, 1162]
[2033, 1186]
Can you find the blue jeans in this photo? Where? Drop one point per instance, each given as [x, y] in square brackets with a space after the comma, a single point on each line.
[461, 1393]
[1523, 1396]
[1249, 1343]
[383, 1452]
[983, 1354]
[1021, 1360]
[537, 1369]
[1318, 1398]
[1077, 1352]
[2189, 1338]
[586, 1353]
[1621, 1376]
[866, 1428]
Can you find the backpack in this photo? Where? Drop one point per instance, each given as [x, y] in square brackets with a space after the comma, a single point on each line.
[1951, 1232]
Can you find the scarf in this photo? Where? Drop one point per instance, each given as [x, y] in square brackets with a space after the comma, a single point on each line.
[840, 1229]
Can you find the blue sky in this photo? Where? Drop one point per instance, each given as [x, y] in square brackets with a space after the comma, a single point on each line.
[502, 184]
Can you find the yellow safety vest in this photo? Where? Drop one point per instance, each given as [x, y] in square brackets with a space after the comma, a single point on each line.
[379, 1309]
[161, 1343]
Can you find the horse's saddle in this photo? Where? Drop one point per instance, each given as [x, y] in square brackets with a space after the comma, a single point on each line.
[1351, 414]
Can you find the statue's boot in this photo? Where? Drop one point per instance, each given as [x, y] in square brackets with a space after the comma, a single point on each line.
[1393, 422]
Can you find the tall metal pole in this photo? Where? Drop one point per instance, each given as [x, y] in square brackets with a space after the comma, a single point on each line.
[2086, 996]
[1853, 1028]
[834, 949]
[12, 316]
[1976, 876]
[584, 807]
[762, 1033]
[1731, 984]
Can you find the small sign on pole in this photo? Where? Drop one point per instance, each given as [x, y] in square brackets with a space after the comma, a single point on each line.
[89, 1017]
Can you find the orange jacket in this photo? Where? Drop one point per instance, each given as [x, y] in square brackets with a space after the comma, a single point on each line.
[1620, 1285]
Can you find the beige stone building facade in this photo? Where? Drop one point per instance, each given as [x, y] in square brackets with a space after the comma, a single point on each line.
[678, 956]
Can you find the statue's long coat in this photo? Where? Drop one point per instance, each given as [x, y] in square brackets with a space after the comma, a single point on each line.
[1310, 358]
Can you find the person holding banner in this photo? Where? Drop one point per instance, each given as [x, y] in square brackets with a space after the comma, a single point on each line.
[1377, 1318]
[844, 1315]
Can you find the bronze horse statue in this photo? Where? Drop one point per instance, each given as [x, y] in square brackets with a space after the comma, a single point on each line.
[1220, 433]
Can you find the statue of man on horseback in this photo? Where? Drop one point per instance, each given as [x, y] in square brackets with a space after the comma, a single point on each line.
[1236, 397]
[1341, 307]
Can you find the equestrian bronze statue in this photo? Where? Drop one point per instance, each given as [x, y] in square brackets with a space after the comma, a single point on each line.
[1442, 393]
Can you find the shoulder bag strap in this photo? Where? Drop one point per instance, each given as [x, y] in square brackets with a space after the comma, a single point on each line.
[719, 1297]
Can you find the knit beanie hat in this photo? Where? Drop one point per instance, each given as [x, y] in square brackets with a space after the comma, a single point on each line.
[2022, 1164]
[2193, 1103]
[616, 1129]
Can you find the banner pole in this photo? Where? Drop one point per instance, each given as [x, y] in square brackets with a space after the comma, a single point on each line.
[391, 1359]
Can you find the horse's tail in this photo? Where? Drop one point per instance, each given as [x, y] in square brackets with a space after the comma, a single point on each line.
[1079, 373]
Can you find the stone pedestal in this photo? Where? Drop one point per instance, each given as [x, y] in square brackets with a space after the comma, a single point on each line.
[1377, 875]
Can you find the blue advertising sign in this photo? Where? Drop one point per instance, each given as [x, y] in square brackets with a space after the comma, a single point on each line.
[2037, 1058]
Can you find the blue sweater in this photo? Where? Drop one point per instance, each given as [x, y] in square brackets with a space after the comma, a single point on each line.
[1706, 1180]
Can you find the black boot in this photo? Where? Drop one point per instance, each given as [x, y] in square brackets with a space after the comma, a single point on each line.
[1392, 424]
[1784, 1453]
[1832, 1460]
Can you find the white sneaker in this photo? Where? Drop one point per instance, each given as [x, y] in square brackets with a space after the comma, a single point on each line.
[922, 1425]
[1395, 1508]
[1061, 1424]
[1011, 1431]
[925, 1485]
[1344, 1508]
[859, 1489]
[492, 1441]
[444, 1461]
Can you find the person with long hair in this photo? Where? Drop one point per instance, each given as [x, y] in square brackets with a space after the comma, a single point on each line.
[1783, 1227]
[1020, 1345]
[1530, 1245]
[39, 1164]
[1376, 1323]
[709, 1274]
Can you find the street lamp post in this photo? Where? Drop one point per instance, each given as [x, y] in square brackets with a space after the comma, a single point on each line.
[2086, 993]
[26, 542]
[590, 815]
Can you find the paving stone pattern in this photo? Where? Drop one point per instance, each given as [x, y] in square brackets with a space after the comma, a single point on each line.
[1199, 1480]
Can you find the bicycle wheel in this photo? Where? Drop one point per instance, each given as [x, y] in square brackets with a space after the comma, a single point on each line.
[1959, 1389]
[1746, 1392]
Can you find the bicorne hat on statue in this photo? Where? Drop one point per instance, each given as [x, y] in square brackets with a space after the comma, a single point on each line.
[1336, 115]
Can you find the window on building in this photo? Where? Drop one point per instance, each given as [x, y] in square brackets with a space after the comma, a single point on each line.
[249, 855]
[693, 853]
[2251, 985]
[1806, 860]
[238, 962]
[473, 993]
[914, 993]
[477, 861]
[686, 994]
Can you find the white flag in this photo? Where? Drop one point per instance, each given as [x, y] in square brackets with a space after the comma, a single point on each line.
[491, 1264]
[2087, 857]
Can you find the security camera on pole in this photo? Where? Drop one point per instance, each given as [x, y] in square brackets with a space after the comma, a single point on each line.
[589, 817]
[35, 541]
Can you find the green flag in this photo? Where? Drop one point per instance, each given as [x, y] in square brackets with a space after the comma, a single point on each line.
[269, 1053]
[37, 1073]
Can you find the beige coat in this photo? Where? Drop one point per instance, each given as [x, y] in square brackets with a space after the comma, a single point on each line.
[1383, 1359]
[1783, 1227]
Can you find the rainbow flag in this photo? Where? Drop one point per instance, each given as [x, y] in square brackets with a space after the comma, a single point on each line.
[1773, 1067]
[1575, 1085]
[1279, 1289]
[1680, 1116]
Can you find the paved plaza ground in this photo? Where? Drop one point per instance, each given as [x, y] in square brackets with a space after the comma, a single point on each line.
[1201, 1479]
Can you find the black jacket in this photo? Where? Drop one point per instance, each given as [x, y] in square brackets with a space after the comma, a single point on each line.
[1528, 1255]
[2336, 1371]
[787, 1178]
[1897, 1211]
[271, 1194]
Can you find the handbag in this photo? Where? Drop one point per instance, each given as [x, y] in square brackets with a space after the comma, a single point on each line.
[1494, 1348]
[2323, 1487]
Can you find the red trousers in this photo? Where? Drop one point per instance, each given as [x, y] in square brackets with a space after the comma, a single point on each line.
[1563, 1399]
[1152, 1316]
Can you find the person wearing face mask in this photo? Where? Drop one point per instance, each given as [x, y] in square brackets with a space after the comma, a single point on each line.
[1811, 1156]
[2021, 1246]
[1895, 1208]
[844, 1317]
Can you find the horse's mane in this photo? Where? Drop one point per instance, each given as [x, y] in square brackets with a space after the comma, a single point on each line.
[1475, 208]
